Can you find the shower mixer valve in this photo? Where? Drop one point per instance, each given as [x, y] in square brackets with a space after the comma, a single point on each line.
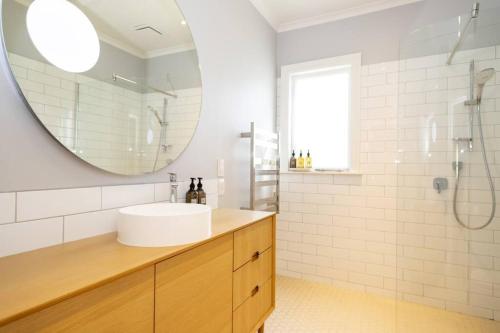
[440, 184]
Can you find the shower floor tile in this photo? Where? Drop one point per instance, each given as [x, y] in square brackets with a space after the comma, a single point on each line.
[303, 306]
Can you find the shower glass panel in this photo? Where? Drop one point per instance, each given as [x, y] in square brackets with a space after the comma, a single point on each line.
[441, 263]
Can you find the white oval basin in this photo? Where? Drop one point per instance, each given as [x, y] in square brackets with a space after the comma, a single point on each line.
[164, 224]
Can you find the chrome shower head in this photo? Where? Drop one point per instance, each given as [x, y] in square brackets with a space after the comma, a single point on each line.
[484, 76]
[481, 78]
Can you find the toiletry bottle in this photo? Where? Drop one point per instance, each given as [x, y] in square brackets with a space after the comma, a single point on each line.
[309, 163]
[300, 161]
[293, 161]
[202, 196]
[192, 195]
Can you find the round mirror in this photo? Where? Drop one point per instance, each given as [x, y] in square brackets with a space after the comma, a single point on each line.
[131, 112]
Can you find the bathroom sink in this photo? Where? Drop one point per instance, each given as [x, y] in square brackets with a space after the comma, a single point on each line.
[164, 224]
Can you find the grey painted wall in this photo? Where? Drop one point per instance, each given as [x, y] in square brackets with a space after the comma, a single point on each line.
[376, 35]
[236, 49]
[182, 67]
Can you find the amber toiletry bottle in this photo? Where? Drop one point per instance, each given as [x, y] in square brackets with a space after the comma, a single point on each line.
[192, 194]
[293, 161]
[202, 196]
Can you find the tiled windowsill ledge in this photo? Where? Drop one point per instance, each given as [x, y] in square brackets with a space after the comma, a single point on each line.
[315, 172]
[306, 178]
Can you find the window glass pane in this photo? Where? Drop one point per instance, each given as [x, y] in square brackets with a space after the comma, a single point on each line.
[320, 105]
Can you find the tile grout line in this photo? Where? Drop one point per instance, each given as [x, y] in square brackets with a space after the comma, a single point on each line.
[63, 227]
[15, 207]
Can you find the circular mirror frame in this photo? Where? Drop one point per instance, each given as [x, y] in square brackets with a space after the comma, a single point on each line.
[20, 92]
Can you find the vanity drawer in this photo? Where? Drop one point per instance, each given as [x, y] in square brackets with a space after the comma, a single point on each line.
[251, 241]
[252, 274]
[247, 316]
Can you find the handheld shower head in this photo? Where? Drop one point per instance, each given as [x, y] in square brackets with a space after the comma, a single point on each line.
[481, 78]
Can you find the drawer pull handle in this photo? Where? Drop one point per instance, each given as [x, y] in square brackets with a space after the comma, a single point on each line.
[255, 290]
[256, 256]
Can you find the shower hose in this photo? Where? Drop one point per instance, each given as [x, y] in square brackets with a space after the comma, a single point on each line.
[488, 174]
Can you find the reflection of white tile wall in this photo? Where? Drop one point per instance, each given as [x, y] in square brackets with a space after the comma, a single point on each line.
[112, 121]
[35, 219]
[387, 231]
[182, 117]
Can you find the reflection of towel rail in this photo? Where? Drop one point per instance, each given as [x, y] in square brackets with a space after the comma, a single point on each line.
[264, 169]
[269, 201]
[119, 77]
[267, 172]
[263, 183]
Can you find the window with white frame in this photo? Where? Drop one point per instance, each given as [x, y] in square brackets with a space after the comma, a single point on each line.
[320, 111]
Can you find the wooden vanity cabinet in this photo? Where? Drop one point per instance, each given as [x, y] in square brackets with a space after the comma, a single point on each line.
[226, 284]
[194, 290]
[122, 306]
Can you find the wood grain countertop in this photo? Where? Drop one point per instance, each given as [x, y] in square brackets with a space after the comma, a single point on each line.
[38, 279]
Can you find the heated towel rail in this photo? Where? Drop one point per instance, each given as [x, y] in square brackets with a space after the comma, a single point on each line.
[264, 169]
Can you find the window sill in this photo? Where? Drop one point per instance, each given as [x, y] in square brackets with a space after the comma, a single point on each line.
[315, 172]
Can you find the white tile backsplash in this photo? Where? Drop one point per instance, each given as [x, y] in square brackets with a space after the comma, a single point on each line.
[162, 192]
[89, 224]
[34, 205]
[27, 236]
[213, 200]
[55, 216]
[127, 195]
[7, 207]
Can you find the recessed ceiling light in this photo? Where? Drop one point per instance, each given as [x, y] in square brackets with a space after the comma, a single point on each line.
[63, 35]
[183, 22]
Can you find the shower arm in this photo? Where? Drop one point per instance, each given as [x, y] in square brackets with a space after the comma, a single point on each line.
[474, 15]
[117, 77]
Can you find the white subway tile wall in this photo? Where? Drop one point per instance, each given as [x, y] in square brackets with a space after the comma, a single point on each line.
[31, 235]
[113, 196]
[51, 217]
[89, 224]
[113, 122]
[162, 192]
[388, 231]
[41, 204]
[7, 207]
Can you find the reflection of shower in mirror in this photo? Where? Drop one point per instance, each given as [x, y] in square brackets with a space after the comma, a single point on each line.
[162, 121]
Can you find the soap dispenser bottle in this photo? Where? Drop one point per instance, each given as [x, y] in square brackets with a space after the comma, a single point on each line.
[202, 196]
[192, 195]
[293, 161]
[300, 161]
[309, 163]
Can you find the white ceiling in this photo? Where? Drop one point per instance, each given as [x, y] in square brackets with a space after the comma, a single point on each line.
[116, 22]
[286, 15]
